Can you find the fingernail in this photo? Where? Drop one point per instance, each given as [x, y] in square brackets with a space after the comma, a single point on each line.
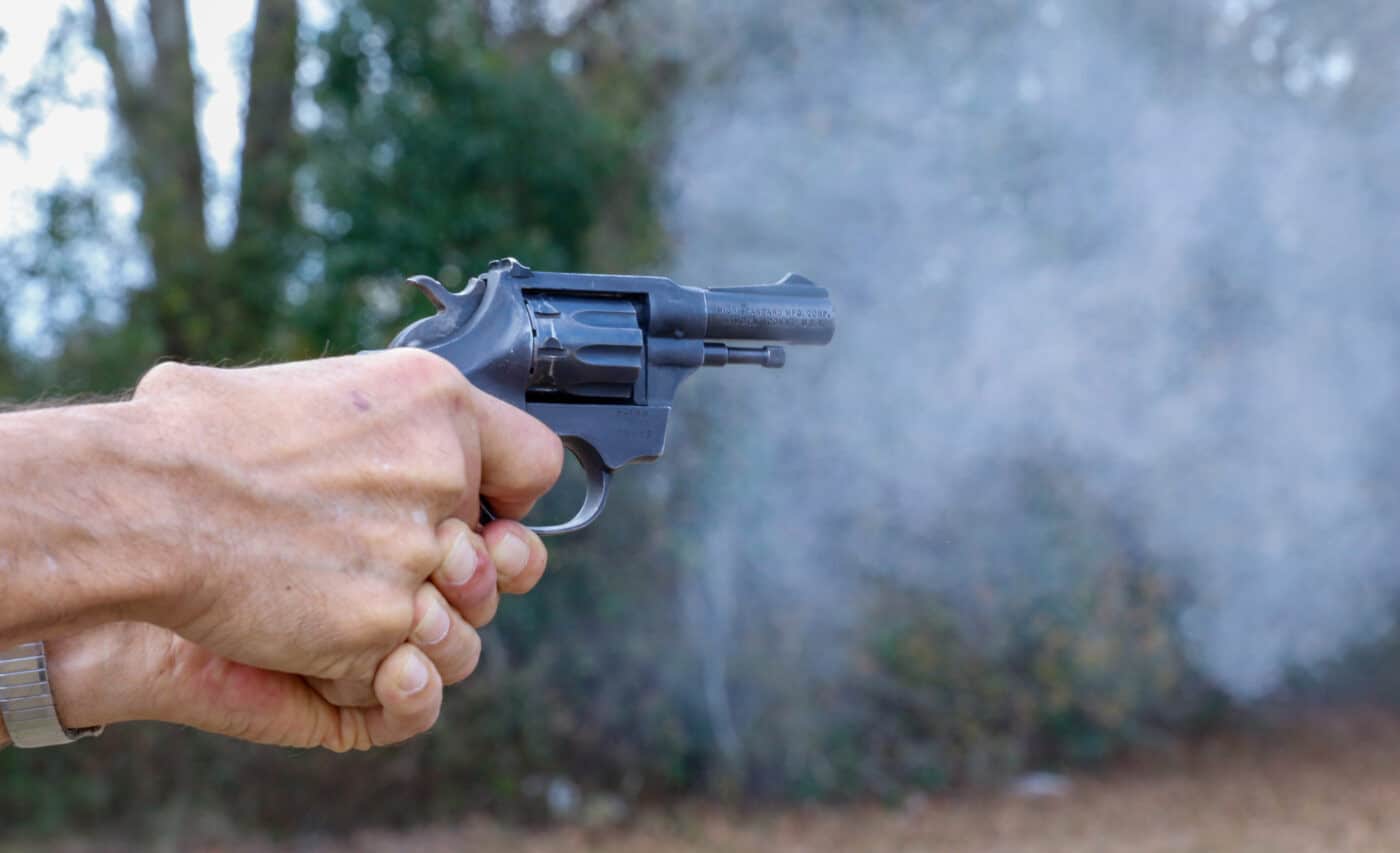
[510, 556]
[413, 676]
[460, 565]
[433, 627]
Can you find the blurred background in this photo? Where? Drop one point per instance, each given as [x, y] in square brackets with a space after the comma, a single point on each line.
[1080, 535]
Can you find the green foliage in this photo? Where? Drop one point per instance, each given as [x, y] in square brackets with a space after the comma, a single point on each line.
[438, 153]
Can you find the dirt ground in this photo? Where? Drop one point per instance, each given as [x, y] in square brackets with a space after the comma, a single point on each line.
[1323, 783]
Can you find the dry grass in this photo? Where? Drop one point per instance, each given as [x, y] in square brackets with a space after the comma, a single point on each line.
[1320, 784]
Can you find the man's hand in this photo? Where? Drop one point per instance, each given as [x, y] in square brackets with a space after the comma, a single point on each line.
[304, 535]
[135, 671]
[313, 502]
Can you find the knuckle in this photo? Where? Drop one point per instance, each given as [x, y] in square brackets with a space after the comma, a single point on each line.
[349, 731]
[447, 483]
[350, 663]
[428, 370]
[449, 529]
[426, 598]
[238, 726]
[406, 548]
[546, 462]
[537, 463]
[347, 693]
[421, 553]
[166, 377]
[385, 624]
[434, 472]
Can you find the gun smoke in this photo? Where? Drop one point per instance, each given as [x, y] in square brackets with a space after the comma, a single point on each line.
[1047, 233]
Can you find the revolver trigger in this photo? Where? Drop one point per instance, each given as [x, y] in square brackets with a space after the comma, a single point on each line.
[599, 478]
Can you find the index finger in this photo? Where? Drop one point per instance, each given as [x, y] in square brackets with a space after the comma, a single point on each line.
[521, 458]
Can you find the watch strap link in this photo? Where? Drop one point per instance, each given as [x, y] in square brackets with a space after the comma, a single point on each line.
[26, 700]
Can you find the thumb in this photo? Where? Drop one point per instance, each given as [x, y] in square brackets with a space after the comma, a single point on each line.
[130, 671]
[409, 690]
[276, 708]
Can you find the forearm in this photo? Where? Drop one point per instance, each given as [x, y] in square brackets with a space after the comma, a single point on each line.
[86, 522]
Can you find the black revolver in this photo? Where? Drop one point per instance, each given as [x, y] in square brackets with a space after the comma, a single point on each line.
[598, 357]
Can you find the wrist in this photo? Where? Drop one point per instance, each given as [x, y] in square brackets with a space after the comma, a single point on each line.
[104, 675]
[87, 530]
[158, 514]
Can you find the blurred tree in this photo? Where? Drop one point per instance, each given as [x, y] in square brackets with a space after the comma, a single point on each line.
[441, 134]
[206, 302]
[433, 135]
[444, 142]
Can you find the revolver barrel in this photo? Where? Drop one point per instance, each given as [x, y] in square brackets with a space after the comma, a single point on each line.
[793, 311]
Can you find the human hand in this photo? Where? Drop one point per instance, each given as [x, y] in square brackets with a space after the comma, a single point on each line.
[136, 671]
[124, 671]
[311, 510]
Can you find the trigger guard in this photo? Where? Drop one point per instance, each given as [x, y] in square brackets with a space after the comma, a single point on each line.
[599, 478]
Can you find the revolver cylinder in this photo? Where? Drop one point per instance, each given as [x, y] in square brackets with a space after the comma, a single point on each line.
[584, 347]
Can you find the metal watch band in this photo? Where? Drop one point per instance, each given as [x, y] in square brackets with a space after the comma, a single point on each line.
[26, 701]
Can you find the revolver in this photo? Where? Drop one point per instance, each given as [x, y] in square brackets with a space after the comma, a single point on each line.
[598, 358]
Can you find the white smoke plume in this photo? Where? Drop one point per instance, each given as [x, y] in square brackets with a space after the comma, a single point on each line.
[1161, 240]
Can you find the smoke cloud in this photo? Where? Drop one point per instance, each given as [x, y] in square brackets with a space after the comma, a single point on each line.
[1160, 243]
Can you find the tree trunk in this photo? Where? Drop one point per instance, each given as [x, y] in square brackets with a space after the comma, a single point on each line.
[196, 307]
[263, 245]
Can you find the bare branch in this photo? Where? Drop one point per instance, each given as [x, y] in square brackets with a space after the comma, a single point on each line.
[270, 144]
[158, 117]
[104, 38]
[172, 131]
